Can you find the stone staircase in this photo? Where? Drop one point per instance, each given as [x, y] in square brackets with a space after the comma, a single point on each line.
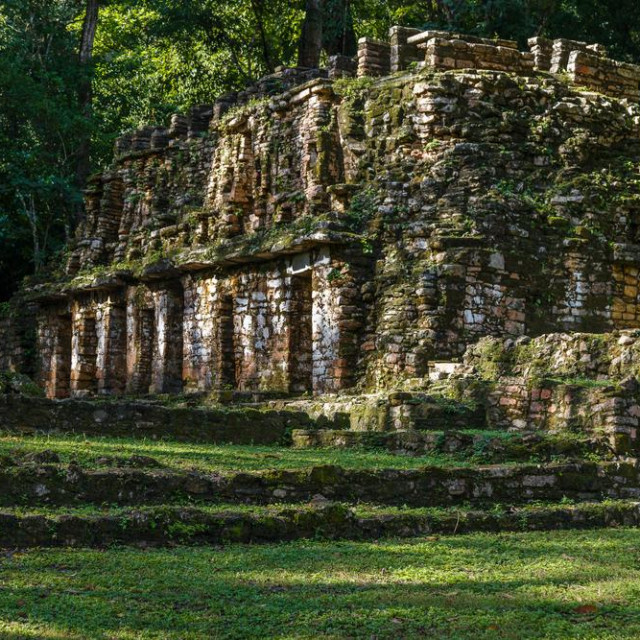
[517, 436]
[436, 482]
[56, 504]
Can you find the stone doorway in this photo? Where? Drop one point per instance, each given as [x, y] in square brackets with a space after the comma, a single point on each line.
[301, 334]
[60, 374]
[147, 337]
[226, 344]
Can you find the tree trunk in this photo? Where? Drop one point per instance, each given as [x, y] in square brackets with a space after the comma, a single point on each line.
[29, 208]
[338, 36]
[310, 44]
[258, 7]
[85, 96]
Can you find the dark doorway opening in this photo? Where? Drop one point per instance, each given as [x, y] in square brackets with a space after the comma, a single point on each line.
[226, 344]
[147, 338]
[61, 365]
[301, 334]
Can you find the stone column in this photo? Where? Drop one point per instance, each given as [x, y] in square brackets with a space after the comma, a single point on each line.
[336, 323]
[84, 345]
[166, 367]
[111, 349]
[198, 331]
[403, 53]
[54, 349]
[374, 57]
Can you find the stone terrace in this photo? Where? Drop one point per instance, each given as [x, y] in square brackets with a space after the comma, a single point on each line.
[412, 277]
[303, 237]
[586, 65]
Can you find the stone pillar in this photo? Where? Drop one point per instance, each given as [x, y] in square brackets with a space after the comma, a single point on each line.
[231, 186]
[374, 57]
[403, 53]
[84, 346]
[542, 50]
[54, 350]
[111, 326]
[320, 164]
[336, 323]
[166, 367]
[198, 330]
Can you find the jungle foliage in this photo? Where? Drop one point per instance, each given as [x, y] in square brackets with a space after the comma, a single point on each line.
[67, 92]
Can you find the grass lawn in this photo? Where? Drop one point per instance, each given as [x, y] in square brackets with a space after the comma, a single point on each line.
[529, 585]
[209, 457]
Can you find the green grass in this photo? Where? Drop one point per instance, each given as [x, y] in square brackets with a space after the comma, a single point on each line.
[532, 585]
[206, 457]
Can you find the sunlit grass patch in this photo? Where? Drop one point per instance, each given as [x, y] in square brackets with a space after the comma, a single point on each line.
[208, 457]
[530, 585]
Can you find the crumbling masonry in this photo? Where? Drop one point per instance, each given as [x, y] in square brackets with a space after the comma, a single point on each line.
[321, 231]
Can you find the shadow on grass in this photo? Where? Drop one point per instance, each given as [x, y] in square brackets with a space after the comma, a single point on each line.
[536, 585]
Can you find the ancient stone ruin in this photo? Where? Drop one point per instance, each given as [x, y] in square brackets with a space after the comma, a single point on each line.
[358, 230]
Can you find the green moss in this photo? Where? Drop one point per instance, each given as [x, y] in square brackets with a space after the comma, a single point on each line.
[491, 358]
[11, 382]
[362, 208]
[353, 88]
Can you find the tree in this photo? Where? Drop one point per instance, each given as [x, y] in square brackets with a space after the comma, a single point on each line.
[85, 92]
[328, 26]
[39, 125]
[311, 36]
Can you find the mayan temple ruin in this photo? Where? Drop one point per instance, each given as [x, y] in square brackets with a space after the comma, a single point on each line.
[433, 240]
[314, 235]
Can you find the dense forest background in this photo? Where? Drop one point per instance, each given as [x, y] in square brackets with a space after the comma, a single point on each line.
[74, 74]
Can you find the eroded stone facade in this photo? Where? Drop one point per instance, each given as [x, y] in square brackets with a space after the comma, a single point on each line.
[312, 235]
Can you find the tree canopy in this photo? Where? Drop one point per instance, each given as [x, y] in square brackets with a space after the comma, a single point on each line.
[150, 58]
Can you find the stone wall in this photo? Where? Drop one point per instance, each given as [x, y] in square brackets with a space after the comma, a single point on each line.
[451, 53]
[18, 351]
[585, 383]
[607, 412]
[586, 64]
[29, 415]
[337, 235]
[604, 75]
[425, 487]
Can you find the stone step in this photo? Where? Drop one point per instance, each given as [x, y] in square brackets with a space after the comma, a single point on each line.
[50, 484]
[140, 419]
[170, 525]
[479, 446]
[393, 410]
[268, 423]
